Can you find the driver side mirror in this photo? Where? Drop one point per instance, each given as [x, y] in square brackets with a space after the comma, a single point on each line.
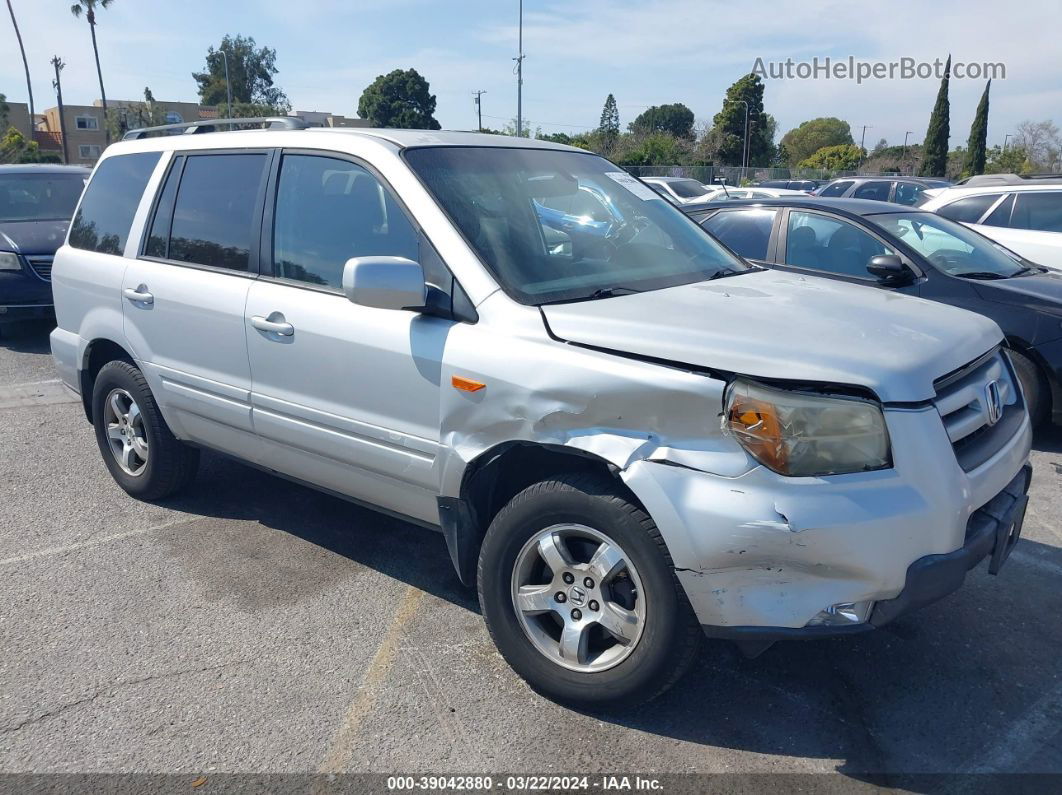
[890, 270]
[384, 282]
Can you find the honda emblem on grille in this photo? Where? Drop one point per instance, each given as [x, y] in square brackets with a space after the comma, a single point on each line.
[993, 402]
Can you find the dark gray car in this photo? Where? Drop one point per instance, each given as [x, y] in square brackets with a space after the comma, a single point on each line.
[899, 190]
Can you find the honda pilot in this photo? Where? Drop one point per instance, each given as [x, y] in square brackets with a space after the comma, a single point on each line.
[627, 439]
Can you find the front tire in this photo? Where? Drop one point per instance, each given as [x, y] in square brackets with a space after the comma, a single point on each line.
[579, 594]
[1034, 385]
[140, 451]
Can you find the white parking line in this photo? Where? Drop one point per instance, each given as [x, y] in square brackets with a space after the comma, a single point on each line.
[95, 542]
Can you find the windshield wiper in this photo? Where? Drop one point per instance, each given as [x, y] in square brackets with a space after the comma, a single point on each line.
[724, 272]
[609, 292]
[1031, 269]
[980, 275]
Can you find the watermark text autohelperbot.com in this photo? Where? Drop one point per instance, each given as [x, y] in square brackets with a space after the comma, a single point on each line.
[852, 68]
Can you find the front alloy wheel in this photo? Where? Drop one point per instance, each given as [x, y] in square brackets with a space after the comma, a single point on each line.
[586, 616]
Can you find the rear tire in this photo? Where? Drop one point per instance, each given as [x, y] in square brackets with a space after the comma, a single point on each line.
[140, 451]
[1034, 385]
[636, 632]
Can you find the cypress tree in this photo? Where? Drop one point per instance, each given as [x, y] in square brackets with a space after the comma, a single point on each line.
[977, 145]
[609, 126]
[935, 149]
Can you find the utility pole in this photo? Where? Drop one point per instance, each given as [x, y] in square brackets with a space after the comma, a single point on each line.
[58, 64]
[479, 109]
[903, 155]
[520, 78]
[862, 138]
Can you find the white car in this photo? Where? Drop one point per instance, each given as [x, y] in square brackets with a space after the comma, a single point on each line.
[680, 190]
[754, 193]
[1022, 213]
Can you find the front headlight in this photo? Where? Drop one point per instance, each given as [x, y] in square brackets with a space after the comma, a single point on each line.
[801, 434]
[9, 261]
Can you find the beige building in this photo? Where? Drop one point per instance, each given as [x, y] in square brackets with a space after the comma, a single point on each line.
[86, 128]
[18, 117]
[318, 118]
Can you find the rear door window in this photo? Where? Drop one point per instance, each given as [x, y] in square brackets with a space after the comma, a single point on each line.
[213, 214]
[969, 210]
[110, 202]
[1039, 211]
[909, 193]
[748, 232]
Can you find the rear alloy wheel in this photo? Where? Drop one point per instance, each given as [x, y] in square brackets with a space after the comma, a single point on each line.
[140, 451]
[579, 593]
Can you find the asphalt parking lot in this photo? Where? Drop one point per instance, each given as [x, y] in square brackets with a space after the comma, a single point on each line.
[255, 625]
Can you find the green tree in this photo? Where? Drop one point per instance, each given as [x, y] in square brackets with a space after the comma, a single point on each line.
[399, 99]
[609, 127]
[557, 138]
[1015, 160]
[730, 124]
[675, 119]
[842, 157]
[251, 72]
[651, 149]
[810, 136]
[89, 8]
[14, 148]
[935, 150]
[4, 110]
[976, 147]
[134, 115]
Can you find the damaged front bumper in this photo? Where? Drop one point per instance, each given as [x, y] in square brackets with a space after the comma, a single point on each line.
[762, 557]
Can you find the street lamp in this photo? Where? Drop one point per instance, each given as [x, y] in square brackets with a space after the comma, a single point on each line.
[1006, 138]
[862, 140]
[228, 86]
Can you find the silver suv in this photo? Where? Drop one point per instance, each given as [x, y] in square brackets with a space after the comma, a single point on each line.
[627, 436]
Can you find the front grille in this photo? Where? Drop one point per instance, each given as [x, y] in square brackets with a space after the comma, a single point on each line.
[41, 264]
[964, 403]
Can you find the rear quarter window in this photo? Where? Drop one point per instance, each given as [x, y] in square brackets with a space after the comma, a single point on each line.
[102, 221]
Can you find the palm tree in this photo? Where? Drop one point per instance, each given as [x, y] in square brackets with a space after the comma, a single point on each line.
[25, 63]
[89, 7]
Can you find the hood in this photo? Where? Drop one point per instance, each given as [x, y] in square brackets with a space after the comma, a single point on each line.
[33, 237]
[777, 325]
[1033, 291]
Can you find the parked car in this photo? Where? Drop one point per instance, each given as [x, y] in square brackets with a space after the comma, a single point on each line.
[622, 450]
[681, 190]
[899, 190]
[907, 250]
[36, 202]
[804, 185]
[1022, 213]
[754, 193]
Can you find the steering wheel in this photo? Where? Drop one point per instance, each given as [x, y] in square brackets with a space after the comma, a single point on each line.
[947, 258]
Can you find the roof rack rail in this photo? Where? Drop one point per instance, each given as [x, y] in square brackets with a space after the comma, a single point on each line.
[211, 125]
[1009, 179]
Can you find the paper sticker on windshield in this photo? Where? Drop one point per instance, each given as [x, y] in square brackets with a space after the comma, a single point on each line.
[639, 189]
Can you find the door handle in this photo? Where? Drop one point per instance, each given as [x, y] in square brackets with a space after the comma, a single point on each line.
[273, 326]
[140, 295]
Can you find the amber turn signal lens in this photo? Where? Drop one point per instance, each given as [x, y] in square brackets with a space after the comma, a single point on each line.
[466, 384]
[756, 423]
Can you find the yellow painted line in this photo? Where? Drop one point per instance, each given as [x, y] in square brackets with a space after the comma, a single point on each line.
[342, 746]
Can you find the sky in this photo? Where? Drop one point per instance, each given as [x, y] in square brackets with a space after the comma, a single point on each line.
[646, 52]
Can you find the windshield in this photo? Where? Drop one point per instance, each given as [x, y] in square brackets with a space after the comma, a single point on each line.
[39, 197]
[687, 188]
[520, 210]
[951, 247]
